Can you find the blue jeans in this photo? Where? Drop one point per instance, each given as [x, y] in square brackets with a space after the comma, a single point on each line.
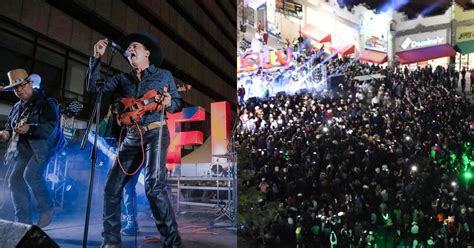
[130, 197]
[28, 172]
[155, 187]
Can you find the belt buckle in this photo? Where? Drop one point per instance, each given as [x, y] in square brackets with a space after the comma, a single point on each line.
[133, 130]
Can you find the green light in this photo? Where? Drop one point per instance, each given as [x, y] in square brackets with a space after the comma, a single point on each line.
[433, 154]
[467, 175]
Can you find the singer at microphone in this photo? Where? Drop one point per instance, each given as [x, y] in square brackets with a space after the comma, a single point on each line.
[118, 48]
[102, 45]
[151, 131]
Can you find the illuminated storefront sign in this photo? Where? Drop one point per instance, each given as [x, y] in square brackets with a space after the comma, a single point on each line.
[413, 44]
[422, 40]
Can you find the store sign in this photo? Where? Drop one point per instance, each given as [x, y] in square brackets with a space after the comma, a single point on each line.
[464, 33]
[416, 41]
[413, 44]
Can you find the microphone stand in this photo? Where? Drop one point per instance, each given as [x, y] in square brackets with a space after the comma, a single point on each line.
[94, 116]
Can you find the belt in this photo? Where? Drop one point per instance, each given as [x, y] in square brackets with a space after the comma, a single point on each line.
[144, 129]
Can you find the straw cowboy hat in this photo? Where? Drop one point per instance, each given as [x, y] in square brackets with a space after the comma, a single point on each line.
[20, 76]
[149, 41]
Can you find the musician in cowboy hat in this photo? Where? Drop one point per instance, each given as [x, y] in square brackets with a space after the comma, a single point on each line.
[145, 58]
[32, 128]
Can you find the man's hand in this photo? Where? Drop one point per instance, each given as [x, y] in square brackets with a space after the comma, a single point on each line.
[4, 135]
[166, 99]
[99, 48]
[22, 129]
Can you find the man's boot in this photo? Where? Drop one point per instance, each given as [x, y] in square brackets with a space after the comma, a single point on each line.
[131, 228]
[45, 219]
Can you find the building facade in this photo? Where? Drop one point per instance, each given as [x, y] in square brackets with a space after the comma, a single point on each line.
[55, 38]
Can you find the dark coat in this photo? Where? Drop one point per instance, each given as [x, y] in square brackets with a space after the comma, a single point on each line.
[43, 120]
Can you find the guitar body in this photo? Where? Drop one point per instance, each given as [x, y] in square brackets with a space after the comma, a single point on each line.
[12, 151]
[134, 109]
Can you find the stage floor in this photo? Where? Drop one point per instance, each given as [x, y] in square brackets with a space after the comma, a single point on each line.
[193, 227]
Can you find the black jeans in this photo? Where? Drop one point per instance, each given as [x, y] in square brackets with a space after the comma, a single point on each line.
[28, 172]
[155, 186]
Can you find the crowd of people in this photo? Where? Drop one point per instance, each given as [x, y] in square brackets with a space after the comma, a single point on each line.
[368, 162]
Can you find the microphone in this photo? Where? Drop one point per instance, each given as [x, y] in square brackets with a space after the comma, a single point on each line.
[117, 47]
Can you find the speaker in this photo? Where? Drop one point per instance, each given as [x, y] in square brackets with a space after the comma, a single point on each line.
[19, 235]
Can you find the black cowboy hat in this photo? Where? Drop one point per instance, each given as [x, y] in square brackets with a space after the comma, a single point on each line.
[149, 41]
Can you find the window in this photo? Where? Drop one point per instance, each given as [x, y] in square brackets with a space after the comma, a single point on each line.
[50, 66]
[75, 80]
[15, 53]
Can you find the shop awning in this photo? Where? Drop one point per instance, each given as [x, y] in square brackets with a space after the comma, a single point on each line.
[369, 77]
[424, 54]
[343, 48]
[465, 47]
[373, 57]
[315, 34]
[255, 4]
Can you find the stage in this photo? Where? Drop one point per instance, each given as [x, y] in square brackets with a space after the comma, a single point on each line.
[67, 230]
[193, 228]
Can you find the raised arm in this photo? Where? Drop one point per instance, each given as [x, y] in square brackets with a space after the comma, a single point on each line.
[93, 73]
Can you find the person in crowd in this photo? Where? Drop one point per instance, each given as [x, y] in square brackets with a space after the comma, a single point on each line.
[472, 80]
[33, 129]
[241, 94]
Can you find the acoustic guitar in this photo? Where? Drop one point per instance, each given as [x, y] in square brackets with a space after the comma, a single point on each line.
[12, 151]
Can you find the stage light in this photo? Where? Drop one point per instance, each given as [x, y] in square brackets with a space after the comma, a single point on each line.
[414, 168]
[453, 183]
[407, 138]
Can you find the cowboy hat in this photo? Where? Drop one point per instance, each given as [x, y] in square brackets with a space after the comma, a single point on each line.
[20, 76]
[150, 42]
